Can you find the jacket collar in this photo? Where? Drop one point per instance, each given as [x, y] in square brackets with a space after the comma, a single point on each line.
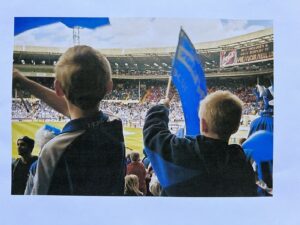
[85, 123]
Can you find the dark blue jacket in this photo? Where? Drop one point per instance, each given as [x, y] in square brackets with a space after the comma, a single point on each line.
[87, 158]
[195, 167]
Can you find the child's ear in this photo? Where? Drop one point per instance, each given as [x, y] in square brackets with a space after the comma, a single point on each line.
[109, 86]
[58, 89]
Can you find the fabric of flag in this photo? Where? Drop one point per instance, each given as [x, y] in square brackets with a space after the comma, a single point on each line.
[169, 173]
[23, 24]
[264, 122]
[259, 147]
[189, 80]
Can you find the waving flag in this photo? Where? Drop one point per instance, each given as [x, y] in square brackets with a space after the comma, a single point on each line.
[26, 23]
[188, 77]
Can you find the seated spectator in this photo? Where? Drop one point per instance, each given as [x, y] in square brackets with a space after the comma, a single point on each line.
[132, 186]
[42, 137]
[205, 165]
[154, 186]
[20, 166]
[137, 168]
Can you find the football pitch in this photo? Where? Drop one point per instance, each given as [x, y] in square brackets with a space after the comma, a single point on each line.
[133, 136]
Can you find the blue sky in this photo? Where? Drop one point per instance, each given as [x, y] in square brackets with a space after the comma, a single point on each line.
[141, 32]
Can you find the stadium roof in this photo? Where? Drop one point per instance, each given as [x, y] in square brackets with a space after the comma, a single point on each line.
[258, 37]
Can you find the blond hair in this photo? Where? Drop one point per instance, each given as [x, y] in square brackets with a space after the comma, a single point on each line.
[222, 112]
[132, 185]
[83, 74]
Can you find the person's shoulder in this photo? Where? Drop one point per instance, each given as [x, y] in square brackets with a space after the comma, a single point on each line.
[111, 117]
[158, 107]
[15, 161]
[237, 152]
[33, 166]
[235, 147]
[61, 142]
[141, 165]
[130, 165]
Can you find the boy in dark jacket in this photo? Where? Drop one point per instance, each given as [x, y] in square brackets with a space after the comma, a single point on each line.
[88, 157]
[205, 165]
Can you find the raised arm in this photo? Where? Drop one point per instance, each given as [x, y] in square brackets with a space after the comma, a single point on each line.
[45, 94]
[159, 139]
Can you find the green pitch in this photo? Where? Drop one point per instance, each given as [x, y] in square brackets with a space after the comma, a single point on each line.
[133, 136]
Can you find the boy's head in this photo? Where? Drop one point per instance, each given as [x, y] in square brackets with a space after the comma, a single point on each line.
[220, 114]
[134, 157]
[84, 76]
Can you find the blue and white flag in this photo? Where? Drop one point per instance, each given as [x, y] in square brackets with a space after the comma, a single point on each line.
[189, 79]
[23, 24]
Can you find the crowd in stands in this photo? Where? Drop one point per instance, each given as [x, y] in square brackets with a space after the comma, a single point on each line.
[143, 96]
[126, 91]
[37, 110]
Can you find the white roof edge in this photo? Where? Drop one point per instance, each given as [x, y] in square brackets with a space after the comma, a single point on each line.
[143, 51]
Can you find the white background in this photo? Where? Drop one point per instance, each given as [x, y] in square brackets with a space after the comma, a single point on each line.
[283, 208]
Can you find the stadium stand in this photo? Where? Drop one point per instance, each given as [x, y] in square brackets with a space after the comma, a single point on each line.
[140, 76]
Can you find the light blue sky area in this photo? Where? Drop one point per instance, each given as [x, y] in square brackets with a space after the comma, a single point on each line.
[141, 32]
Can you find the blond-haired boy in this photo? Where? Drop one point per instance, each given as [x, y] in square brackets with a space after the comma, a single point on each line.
[88, 157]
[205, 165]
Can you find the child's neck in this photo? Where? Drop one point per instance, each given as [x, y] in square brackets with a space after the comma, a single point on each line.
[76, 113]
[213, 136]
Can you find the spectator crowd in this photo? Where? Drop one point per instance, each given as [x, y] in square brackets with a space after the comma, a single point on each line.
[125, 102]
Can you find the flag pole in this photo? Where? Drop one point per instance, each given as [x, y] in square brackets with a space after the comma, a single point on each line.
[168, 87]
[24, 103]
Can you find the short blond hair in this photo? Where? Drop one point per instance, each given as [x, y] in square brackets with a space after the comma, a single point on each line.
[222, 112]
[83, 74]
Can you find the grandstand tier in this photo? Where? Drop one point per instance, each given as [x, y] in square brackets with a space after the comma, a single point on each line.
[140, 76]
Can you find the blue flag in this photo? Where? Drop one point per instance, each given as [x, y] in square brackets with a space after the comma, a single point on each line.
[259, 147]
[188, 77]
[26, 23]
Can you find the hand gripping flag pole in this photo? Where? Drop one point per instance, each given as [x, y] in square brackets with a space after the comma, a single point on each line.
[168, 87]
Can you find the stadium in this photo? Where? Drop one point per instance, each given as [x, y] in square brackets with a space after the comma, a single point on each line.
[140, 79]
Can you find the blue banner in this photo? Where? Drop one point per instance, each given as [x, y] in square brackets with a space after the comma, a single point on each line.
[26, 23]
[169, 173]
[189, 79]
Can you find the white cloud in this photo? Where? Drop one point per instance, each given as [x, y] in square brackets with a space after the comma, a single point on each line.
[138, 32]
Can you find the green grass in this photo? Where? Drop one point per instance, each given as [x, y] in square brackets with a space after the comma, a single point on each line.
[133, 136]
